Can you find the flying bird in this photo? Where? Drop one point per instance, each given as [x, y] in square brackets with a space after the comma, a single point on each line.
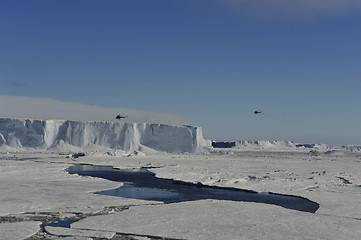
[120, 117]
[257, 112]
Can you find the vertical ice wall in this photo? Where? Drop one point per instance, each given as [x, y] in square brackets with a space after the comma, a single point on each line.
[132, 138]
[51, 130]
[169, 138]
[44, 134]
[197, 138]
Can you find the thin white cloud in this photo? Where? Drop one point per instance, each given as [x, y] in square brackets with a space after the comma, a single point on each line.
[45, 108]
[293, 8]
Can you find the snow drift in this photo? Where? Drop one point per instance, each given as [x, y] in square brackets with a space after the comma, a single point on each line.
[45, 134]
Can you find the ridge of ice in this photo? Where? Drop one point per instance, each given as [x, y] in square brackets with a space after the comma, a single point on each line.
[46, 134]
[277, 144]
[271, 145]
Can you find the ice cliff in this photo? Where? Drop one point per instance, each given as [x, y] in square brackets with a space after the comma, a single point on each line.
[46, 134]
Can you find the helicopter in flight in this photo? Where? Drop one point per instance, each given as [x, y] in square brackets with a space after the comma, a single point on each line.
[120, 117]
[257, 112]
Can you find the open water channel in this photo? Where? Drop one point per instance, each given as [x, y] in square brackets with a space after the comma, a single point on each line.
[143, 184]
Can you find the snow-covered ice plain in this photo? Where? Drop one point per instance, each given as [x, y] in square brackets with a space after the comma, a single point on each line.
[37, 191]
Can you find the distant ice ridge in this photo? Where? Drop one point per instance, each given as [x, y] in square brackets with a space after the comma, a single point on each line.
[278, 144]
[46, 134]
[349, 147]
[266, 145]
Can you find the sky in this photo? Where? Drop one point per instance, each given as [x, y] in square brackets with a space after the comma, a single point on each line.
[47, 108]
[210, 62]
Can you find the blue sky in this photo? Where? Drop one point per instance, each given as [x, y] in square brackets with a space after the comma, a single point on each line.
[211, 61]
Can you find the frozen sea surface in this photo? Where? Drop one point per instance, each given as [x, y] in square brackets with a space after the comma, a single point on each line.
[36, 190]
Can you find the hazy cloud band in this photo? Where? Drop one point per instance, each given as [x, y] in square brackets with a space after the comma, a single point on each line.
[45, 108]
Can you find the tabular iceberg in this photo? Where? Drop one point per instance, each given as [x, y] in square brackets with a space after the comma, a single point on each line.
[45, 134]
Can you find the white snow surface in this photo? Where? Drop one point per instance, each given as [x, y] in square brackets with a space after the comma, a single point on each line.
[48, 134]
[10, 231]
[207, 219]
[34, 183]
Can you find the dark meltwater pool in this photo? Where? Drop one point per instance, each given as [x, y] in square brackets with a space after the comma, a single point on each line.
[142, 184]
